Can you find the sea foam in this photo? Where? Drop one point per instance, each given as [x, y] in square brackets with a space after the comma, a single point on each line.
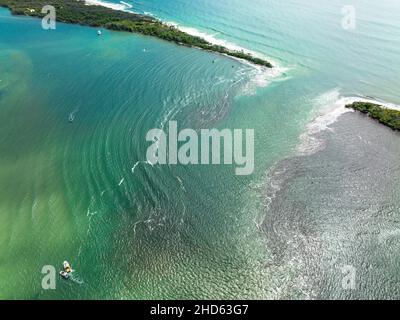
[122, 6]
[330, 106]
[260, 75]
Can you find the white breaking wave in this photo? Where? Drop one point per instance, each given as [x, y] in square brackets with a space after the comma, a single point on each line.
[330, 105]
[149, 13]
[122, 6]
[260, 77]
[126, 4]
[211, 38]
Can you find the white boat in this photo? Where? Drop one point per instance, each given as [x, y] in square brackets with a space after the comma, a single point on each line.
[67, 270]
[99, 32]
[67, 266]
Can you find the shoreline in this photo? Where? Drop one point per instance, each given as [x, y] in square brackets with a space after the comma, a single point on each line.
[93, 13]
[329, 107]
[122, 6]
[386, 116]
[192, 31]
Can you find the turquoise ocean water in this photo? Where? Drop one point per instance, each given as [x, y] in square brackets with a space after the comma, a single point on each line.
[322, 196]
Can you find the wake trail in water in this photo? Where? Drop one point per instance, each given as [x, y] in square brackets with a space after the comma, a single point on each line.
[76, 279]
[71, 116]
[139, 162]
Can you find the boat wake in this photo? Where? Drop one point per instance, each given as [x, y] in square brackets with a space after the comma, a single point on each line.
[71, 116]
[261, 77]
[76, 279]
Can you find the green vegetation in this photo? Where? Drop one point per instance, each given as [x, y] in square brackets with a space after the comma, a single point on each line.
[77, 12]
[388, 117]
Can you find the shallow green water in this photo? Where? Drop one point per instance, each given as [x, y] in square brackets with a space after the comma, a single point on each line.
[68, 190]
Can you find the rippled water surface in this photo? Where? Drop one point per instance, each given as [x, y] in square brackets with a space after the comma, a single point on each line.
[324, 194]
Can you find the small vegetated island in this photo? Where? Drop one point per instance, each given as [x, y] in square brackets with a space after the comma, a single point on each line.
[77, 12]
[388, 117]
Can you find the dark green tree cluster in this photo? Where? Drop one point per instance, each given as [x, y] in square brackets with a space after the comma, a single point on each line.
[388, 117]
[77, 12]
